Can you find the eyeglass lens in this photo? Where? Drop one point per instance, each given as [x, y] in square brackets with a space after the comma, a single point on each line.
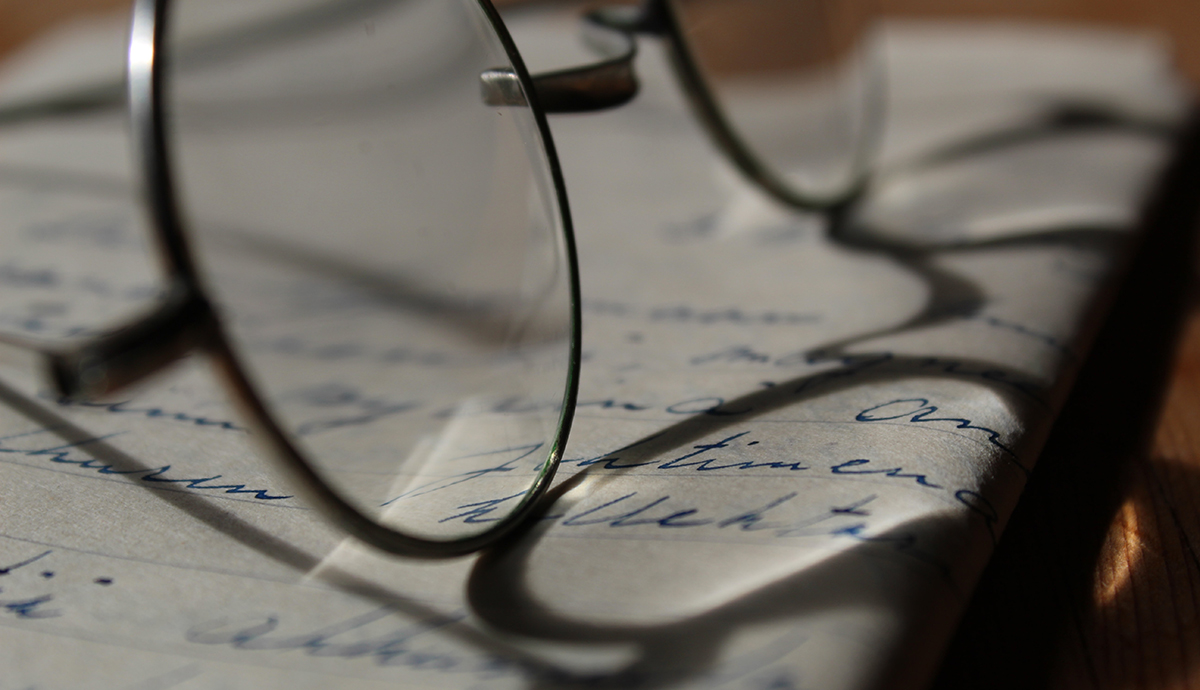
[386, 251]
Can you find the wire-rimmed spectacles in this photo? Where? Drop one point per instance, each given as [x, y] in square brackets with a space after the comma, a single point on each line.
[364, 225]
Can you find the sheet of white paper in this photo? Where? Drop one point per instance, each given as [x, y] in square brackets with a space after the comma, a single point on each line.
[792, 453]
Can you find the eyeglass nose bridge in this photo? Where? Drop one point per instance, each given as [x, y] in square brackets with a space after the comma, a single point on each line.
[608, 83]
[578, 90]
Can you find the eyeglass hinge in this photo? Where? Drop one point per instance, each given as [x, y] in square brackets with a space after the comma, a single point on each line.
[178, 325]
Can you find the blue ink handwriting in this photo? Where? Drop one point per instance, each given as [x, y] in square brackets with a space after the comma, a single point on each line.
[918, 411]
[64, 454]
[9, 568]
[856, 467]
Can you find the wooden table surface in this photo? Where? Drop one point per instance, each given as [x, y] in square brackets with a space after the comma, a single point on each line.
[1096, 582]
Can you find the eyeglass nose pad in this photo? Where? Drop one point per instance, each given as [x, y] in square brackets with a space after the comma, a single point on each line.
[180, 324]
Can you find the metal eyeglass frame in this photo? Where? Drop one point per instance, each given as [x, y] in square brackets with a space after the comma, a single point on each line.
[613, 82]
[185, 322]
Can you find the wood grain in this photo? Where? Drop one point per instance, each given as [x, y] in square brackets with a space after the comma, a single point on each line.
[1096, 581]
[1140, 627]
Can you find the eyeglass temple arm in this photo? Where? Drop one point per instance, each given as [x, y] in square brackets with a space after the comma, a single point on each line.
[80, 101]
[598, 86]
[178, 325]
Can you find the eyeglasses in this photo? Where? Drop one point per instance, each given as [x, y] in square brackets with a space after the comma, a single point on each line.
[364, 226]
